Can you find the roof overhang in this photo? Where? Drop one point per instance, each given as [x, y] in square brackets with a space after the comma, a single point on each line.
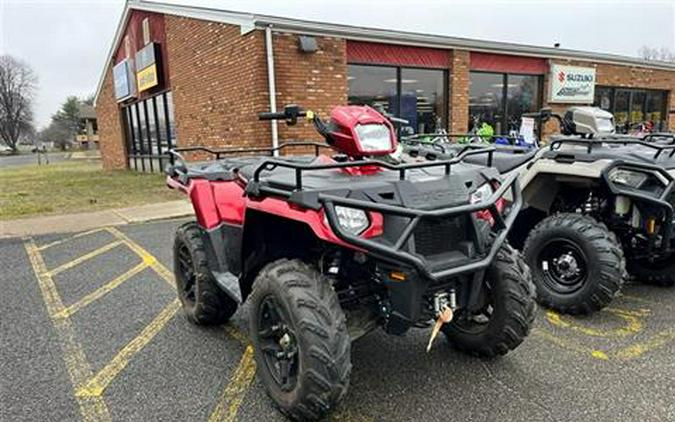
[248, 22]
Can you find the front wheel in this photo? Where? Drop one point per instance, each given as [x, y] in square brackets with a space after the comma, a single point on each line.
[577, 264]
[299, 334]
[658, 272]
[506, 313]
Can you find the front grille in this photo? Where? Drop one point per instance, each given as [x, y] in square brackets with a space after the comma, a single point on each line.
[437, 236]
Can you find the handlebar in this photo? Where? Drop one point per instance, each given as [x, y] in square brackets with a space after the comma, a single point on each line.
[271, 116]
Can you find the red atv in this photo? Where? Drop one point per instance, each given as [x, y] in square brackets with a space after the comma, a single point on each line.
[327, 248]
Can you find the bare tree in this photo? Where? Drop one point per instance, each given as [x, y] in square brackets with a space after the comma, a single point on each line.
[662, 54]
[18, 83]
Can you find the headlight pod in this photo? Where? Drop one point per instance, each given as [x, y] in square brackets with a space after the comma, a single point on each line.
[631, 178]
[481, 194]
[373, 137]
[353, 220]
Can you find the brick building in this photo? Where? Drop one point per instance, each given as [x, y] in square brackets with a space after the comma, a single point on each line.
[182, 75]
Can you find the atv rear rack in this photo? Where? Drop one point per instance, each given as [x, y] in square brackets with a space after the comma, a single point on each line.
[617, 140]
[269, 165]
[218, 153]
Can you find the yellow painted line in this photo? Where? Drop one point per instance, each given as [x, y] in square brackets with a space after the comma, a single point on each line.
[236, 334]
[632, 323]
[230, 399]
[100, 292]
[97, 384]
[571, 346]
[83, 258]
[91, 408]
[637, 350]
[67, 239]
[146, 256]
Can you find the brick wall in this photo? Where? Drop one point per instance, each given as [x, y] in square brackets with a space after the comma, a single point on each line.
[111, 138]
[617, 76]
[459, 92]
[219, 83]
[316, 81]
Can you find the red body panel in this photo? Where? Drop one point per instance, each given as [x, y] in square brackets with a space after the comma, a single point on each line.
[217, 202]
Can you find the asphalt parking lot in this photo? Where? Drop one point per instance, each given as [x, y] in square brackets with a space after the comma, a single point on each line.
[91, 329]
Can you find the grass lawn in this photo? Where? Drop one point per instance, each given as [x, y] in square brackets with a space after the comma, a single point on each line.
[75, 186]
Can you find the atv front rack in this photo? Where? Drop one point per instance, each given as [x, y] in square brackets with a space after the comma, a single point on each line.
[396, 254]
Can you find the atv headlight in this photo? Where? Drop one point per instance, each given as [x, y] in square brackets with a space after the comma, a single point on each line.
[630, 178]
[373, 137]
[481, 194]
[351, 219]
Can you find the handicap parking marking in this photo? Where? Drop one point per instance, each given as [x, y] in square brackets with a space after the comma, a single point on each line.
[98, 383]
[101, 291]
[77, 365]
[89, 387]
[230, 399]
[86, 257]
[633, 321]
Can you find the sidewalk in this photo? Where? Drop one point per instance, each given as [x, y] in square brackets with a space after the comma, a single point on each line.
[91, 220]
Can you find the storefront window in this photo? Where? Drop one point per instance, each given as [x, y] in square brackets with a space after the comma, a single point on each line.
[417, 95]
[149, 132]
[375, 86]
[656, 106]
[423, 99]
[486, 105]
[522, 97]
[633, 107]
[500, 100]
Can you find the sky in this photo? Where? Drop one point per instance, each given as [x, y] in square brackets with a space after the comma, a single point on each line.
[66, 42]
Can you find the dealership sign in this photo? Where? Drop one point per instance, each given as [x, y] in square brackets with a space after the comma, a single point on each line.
[147, 65]
[572, 84]
[123, 81]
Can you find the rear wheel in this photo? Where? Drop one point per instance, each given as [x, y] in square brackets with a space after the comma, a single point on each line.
[299, 334]
[577, 263]
[507, 311]
[203, 301]
[659, 272]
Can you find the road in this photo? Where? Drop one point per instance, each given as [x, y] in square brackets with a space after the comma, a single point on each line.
[29, 159]
[91, 329]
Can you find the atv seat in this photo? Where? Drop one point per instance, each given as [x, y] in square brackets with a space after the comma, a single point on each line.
[505, 158]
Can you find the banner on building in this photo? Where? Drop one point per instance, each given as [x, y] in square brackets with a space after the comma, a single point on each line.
[147, 67]
[572, 84]
[123, 81]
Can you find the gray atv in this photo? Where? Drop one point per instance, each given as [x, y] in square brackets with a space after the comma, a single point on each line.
[599, 206]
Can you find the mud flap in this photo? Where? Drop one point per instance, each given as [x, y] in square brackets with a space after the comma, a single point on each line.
[223, 249]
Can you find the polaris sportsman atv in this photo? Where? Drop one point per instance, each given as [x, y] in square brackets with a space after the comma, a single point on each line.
[326, 249]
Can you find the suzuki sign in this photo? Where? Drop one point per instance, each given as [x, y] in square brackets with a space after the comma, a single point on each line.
[572, 84]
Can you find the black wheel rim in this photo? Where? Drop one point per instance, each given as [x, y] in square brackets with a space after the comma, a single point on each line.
[564, 266]
[278, 344]
[187, 279]
[477, 322]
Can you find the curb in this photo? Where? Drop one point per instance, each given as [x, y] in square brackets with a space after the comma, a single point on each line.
[92, 220]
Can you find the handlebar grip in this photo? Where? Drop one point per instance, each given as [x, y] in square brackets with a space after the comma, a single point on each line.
[271, 116]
